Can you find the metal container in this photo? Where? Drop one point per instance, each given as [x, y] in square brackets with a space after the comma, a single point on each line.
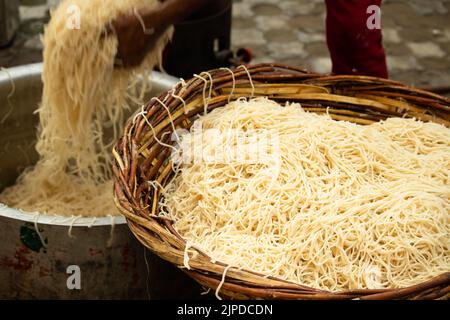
[53, 257]
[9, 20]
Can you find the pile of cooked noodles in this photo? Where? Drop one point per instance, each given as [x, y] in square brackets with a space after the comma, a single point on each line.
[82, 111]
[324, 203]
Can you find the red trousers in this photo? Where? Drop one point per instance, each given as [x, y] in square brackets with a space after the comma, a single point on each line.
[354, 48]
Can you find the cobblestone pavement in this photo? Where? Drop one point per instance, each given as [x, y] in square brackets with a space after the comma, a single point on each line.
[416, 35]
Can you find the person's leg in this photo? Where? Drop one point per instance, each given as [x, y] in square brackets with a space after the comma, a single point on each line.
[354, 48]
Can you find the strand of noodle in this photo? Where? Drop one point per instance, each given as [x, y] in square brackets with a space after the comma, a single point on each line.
[72, 222]
[205, 103]
[53, 219]
[156, 138]
[234, 83]
[222, 281]
[147, 266]
[142, 113]
[36, 227]
[249, 78]
[186, 255]
[155, 184]
[172, 93]
[211, 82]
[9, 96]
[141, 21]
[161, 64]
[111, 234]
[206, 291]
[93, 220]
[170, 117]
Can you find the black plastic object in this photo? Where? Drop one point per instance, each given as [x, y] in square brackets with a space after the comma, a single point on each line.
[9, 21]
[201, 42]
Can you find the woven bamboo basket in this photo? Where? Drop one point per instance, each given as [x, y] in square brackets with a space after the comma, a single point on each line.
[139, 158]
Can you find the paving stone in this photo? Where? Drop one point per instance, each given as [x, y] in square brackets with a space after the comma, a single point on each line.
[431, 21]
[317, 49]
[428, 7]
[443, 35]
[266, 23]
[280, 35]
[264, 59]
[306, 37]
[308, 23]
[426, 49]
[446, 47]
[266, 9]
[402, 22]
[320, 8]
[242, 10]
[396, 49]
[431, 63]
[401, 13]
[423, 78]
[388, 21]
[255, 2]
[415, 33]
[243, 23]
[246, 37]
[260, 51]
[287, 50]
[391, 35]
[403, 63]
[298, 7]
[298, 62]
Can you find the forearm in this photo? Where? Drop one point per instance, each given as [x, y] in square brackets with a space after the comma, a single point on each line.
[139, 31]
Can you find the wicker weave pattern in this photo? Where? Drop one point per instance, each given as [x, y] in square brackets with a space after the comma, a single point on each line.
[140, 158]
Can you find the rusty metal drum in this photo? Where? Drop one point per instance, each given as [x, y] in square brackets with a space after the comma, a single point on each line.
[55, 257]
